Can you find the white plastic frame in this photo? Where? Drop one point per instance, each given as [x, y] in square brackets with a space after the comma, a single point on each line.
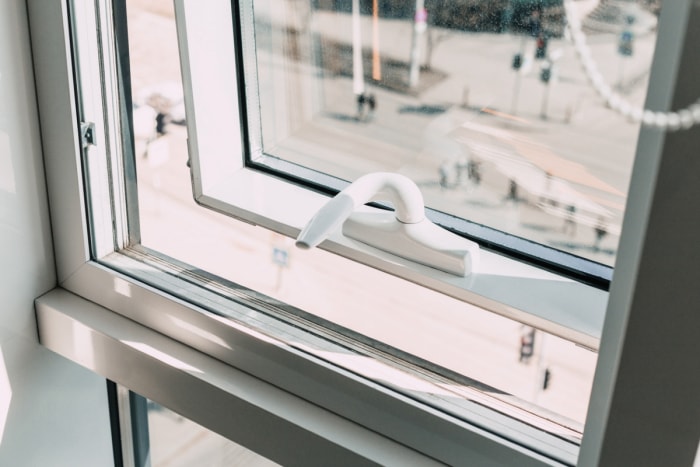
[85, 317]
[221, 181]
[652, 288]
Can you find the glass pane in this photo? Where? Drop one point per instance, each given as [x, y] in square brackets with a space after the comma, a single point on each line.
[483, 103]
[178, 442]
[457, 339]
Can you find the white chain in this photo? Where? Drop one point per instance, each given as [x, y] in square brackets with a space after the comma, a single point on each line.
[670, 121]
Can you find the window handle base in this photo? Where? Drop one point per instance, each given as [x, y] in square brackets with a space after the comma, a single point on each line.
[423, 242]
[406, 232]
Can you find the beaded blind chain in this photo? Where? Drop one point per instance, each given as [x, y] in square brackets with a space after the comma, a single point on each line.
[669, 121]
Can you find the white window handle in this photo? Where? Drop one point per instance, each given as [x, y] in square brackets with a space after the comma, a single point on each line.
[405, 232]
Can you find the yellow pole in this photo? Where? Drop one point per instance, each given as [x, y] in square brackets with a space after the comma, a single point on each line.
[376, 64]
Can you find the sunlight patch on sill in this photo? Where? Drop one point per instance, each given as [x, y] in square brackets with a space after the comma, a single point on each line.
[161, 356]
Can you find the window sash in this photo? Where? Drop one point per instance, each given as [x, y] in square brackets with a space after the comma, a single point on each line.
[238, 151]
[224, 182]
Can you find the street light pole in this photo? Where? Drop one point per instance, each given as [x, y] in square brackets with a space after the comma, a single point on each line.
[358, 78]
[419, 25]
[376, 59]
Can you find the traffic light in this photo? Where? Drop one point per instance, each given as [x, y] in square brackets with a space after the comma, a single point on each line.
[541, 48]
[546, 74]
[527, 344]
[517, 61]
[625, 45]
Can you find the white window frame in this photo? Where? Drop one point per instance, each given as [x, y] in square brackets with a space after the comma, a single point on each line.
[223, 182]
[96, 313]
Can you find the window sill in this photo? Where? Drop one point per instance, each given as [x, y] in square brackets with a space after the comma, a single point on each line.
[387, 404]
[208, 391]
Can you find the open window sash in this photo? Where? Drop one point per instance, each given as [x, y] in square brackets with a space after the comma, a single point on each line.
[223, 133]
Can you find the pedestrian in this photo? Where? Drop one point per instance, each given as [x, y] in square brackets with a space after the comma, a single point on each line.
[541, 48]
[601, 230]
[371, 104]
[474, 171]
[462, 167]
[546, 195]
[160, 123]
[546, 378]
[512, 191]
[570, 220]
[360, 106]
[444, 172]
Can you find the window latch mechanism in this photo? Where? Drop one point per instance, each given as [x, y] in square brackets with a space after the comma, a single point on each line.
[406, 232]
[87, 134]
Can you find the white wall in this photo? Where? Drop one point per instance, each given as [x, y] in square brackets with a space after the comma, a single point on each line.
[52, 412]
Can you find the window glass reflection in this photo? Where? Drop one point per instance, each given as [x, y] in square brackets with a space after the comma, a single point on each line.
[457, 337]
[178, 442]
[483, 103]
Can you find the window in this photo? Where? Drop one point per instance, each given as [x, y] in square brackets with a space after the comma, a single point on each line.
[177, 441]
[353, 297]
[459, 114]
[162, 438]
[224, 180]
[239, 294]
[475, 132]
